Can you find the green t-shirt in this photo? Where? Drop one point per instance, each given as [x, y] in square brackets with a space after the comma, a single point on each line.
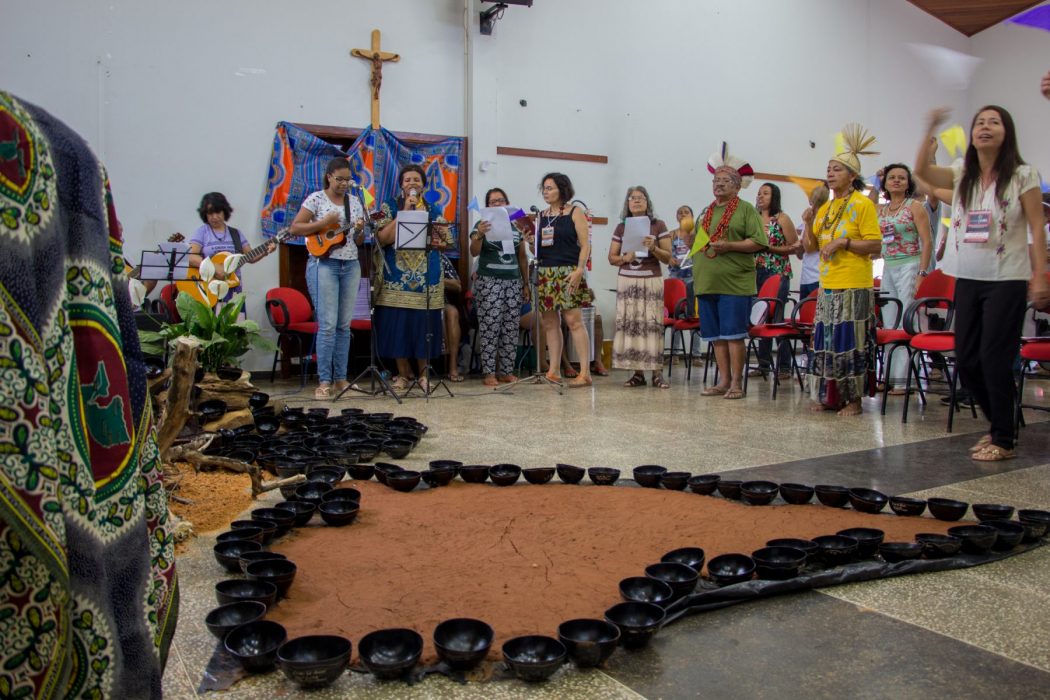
[730, 273]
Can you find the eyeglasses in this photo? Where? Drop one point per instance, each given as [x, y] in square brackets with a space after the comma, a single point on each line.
[341, 179]
[497, 201]
[550, 189]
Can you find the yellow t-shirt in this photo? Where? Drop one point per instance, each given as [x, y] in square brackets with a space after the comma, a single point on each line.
[859, 222]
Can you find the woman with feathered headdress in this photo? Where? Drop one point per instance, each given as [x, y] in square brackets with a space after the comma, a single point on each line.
[845, 231]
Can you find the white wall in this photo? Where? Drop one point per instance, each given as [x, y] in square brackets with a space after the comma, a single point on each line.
[657, 86]
[181, 98]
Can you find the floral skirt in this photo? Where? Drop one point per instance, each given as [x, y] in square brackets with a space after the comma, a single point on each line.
[552, 288]
[639, 340]
[842, 354]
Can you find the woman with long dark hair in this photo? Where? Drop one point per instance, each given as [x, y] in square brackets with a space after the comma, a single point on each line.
[775, 259]
[996, 212]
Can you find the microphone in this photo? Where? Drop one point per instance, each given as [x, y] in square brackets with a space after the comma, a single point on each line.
[534, 209]
[413, 192]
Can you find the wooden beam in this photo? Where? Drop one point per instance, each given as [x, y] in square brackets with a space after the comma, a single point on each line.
[554, 155]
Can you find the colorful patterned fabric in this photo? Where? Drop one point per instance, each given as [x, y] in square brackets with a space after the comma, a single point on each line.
[406, 277]
[639, 339]
[88, 594]
[299, 158]
[842, 354]
[901, 225]
[552, 288]
[774, 263]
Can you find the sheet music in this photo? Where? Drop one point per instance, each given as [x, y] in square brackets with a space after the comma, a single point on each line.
[412, 229]
[635, 230]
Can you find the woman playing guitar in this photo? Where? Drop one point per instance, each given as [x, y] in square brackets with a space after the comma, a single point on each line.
[215, 237]
[333, 273]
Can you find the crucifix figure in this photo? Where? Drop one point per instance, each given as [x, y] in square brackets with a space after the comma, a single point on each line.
[376, 57]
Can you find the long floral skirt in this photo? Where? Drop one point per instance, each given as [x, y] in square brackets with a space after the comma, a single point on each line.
[842, 354]
[639, 340]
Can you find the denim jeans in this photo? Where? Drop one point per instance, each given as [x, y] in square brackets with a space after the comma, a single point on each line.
[336, 283]
[311, 279]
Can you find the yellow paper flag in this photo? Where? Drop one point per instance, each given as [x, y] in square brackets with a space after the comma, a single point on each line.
[947, 222]
[701, 240]
[840, 143]
[954, 140]
[369, 199]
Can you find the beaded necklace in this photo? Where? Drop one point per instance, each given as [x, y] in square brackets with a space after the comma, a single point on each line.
[723, 223]
[838, 217]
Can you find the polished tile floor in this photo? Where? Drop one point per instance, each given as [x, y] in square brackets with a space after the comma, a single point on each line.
[979, 632]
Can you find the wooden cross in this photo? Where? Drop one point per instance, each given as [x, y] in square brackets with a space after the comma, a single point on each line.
[376, 57]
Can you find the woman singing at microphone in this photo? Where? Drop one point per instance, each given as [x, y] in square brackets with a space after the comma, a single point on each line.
[407, 281]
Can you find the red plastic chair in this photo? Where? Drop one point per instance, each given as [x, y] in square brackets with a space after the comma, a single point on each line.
[766, 328]
[798, 329]
[291, 315]
[674, 294]
[167, 298]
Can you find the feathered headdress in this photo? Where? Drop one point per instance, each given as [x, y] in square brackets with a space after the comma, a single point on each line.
[855, 142]
[739, 168]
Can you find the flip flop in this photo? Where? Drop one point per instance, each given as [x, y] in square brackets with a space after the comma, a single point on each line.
[580, 382]
[323, 393]
[714, 391]
[992, 453]
[733, 394]
[455, 377]
[981, 444]
[600, 371]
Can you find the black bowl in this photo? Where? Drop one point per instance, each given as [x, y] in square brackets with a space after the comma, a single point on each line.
[534, 657]
[261, 555]
[241, 455]
[937, 546]
[267, 425]
[302, 510]
[807, 546]
[154, 366]
[366, 451]
[643, 589]
[796, 494]
[441, 463]
[693, 557]
[1010, 534]
[441, 476]
[589, 642]
[1036, 523]
[868, 539]
[385, 469]
[675, 481]
[976, 539]
[704, 484]
[903, 505]
[255, 644]
[361, 472]
[570, 474]
[992, 511]
[474, 473]
[312, 492]
[258, 399]
[947, 508]
[758, 493]
[398, 449]
[268, 527]
[314, 661]
[836, 550]
[603, 476]
[403, 481]
[279, 572]
[228, 553]
[249, 534]
[237, 590]
[283, 518]
[342, 494]
[648, 475]
[894, 552]
[339, 513]
[390, 653]
[778, 563]
[325, 476]
[463, 642]
[637, 622]
[729, 488]
[212, 409]
[727, 569]
[1032, 530]
[225, 618]
[229, 374]
[504, 474]
[681, 578]
[868, 500]
[538, 475]
[832, 496]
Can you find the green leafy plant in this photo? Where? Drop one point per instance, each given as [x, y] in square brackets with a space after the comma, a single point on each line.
[223, 336]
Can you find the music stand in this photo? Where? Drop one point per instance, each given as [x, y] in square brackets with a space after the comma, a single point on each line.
[415, 232]
[170, 262]
[372, 372]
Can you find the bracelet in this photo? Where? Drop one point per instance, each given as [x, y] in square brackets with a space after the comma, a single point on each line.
[847, 244]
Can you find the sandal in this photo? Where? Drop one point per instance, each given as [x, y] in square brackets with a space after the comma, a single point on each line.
[507, 379]
[400, 383]
[571, 373]
[898, 391]
[323, 392]
[490, 380]
[553, 378]
[580, 382]
[714, 391]
[992, 453]
[981, 444]
[455, 378]
[734, 394]
[635, 380]
[659, 382]
[599, 370]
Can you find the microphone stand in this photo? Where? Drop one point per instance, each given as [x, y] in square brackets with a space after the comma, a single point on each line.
[427, 370]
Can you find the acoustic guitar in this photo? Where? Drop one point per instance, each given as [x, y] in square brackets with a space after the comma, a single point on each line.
[196, 288]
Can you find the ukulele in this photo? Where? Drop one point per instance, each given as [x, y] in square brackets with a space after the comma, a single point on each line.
[194, 286]
[327, 239]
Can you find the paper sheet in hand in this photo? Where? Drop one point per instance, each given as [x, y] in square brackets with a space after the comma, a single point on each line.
[499, 220]
[635, 230]
[412, 229]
